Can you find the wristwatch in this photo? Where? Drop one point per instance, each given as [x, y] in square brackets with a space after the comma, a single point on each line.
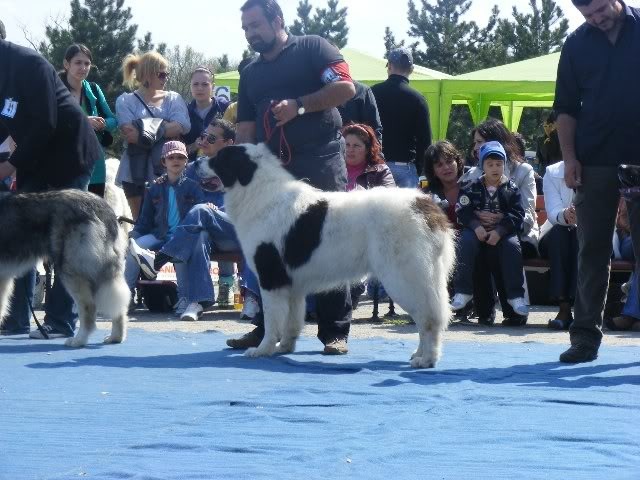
[301, 108]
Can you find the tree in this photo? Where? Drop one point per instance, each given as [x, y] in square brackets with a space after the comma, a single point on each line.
[104, 26]
[539, 32]
[146, 45]
[329, 23]
[449, 44]
[390, 42]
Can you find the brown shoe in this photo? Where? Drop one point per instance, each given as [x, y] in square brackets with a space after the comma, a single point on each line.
[337, 346]
[248, 340]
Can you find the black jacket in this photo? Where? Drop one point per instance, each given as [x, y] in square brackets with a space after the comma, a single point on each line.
[55, 141]
[473, 197]
[362, 108]
[405, 121]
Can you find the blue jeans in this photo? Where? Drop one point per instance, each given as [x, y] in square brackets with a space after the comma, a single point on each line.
[201, 231]
[405, 175]
[132, 269]
[58, 309]
[505, 256]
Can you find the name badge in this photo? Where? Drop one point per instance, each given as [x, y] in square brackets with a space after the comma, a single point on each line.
[10, 108]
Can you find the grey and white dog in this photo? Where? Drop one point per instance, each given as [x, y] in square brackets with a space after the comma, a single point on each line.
[78, 232]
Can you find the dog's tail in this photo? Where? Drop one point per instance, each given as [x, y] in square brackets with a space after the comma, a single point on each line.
[113, 296]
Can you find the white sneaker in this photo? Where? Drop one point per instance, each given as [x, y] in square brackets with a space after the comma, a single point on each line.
[459, 301]
[250, 308]
[192, 313]
[144, 258]
[519, 305]
[180, 306]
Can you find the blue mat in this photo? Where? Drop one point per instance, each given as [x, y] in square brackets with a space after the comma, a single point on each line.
[181, 406]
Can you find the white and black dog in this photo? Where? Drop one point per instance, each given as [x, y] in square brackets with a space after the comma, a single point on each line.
[78, 232]
[300, 240]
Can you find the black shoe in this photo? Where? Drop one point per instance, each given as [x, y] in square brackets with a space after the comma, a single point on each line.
[487, 321]
[17, 331]
[578, 353]
[515, 321]
[559, 324]
[248, 340]
[160, 260]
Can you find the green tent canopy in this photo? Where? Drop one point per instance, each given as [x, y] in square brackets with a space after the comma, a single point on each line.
[529, 83]
[370, 70]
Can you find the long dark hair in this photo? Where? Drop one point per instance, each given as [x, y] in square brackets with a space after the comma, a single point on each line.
[71, 51]
[494, 130]
[441, 149]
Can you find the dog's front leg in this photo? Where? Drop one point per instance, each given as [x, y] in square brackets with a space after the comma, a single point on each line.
[276, 308]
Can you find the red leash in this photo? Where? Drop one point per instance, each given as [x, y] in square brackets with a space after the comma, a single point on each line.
[269, 131]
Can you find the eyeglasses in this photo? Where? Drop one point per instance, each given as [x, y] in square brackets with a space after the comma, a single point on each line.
[163, 75]
[209, 137]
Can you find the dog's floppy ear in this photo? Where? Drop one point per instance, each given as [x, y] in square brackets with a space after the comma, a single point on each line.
[232, 164]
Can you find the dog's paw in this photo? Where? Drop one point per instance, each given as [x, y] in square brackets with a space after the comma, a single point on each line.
[258, 352]
[75, 342]
[421, 362]
[113, 339]
[417, 353]
[288, 347]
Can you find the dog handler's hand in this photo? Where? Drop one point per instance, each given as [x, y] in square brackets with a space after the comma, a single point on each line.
[572, 173]
[284, 111]
[6, 169]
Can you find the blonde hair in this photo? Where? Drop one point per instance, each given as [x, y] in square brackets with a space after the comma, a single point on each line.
[136, 68]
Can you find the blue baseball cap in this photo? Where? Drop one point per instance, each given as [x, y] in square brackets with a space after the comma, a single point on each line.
[492, 148]
[401, 57]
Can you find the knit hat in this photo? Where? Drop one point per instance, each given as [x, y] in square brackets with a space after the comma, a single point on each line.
[174, 146]
[492, 148]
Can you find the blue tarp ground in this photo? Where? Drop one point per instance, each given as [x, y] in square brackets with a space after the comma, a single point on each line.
[181, 406]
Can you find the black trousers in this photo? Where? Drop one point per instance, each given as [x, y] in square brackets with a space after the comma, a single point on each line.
[560, 247]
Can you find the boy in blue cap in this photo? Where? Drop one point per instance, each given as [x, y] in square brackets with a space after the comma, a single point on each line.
[492, 192]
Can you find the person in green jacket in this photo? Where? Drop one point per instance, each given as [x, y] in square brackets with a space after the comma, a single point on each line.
[77, 65]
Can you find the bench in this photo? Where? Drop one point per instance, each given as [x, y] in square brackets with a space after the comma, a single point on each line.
[541, 265]
[161, 294]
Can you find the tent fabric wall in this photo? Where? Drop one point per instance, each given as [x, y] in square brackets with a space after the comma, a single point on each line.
[512, 87]
[530, 83]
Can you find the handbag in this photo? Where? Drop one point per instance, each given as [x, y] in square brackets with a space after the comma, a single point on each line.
[104, 136]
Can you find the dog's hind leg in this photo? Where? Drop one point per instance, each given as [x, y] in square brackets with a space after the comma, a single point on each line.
[113, 302]
[292, 325]
[6, 289]
[276, 311]
[82, 294]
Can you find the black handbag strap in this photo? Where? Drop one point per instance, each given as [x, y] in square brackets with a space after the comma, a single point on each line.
[144, 103]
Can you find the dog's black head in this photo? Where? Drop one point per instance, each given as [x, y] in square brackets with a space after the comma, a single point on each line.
[233, 164]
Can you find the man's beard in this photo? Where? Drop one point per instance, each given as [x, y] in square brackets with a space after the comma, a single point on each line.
[261, 46]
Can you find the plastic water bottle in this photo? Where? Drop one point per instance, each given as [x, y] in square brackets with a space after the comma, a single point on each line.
[237, 295]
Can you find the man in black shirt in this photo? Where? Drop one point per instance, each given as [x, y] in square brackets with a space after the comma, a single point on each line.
[405, 120]
[598, 100]
[56, 148]
[287, 98]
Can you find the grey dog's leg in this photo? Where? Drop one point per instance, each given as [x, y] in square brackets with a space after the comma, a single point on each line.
[6, 289]
[84, 298]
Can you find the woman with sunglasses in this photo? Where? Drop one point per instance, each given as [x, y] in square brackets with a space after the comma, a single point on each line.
[203, 108]
[77, 65]
[148, 74]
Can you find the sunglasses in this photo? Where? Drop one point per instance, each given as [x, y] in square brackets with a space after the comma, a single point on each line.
[209, 137]
[162, 75]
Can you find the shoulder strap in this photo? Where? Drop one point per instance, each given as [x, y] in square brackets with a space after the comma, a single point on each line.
[143, 103]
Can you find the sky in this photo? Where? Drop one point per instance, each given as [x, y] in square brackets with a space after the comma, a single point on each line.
[213, 27]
